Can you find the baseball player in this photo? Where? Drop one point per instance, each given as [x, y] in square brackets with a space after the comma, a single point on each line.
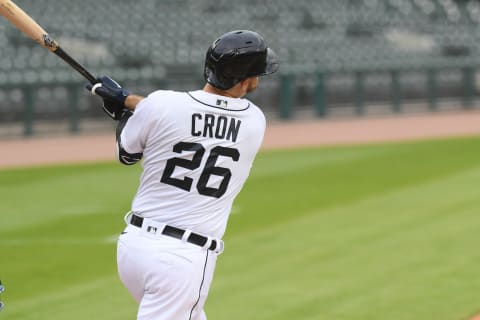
[197, 149]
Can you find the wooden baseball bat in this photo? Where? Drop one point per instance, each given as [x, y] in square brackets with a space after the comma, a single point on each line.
[28, 26]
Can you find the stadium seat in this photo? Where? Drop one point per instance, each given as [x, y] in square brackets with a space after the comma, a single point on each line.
[331, 35]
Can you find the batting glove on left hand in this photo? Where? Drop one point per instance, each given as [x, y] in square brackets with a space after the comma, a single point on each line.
[113, 96]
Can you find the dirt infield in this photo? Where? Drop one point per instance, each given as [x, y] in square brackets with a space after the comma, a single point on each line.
[87, 148]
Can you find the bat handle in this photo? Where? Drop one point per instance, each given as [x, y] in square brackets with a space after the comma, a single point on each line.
[77, 66]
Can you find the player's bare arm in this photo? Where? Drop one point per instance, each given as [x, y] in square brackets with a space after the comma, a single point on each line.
[132, 101]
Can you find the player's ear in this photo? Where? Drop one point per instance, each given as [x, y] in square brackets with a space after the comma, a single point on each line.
[245, 84]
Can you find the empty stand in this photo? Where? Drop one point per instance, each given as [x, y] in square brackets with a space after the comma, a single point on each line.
[155, 41]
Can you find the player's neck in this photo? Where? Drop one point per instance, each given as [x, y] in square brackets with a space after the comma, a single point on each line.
[231, 93]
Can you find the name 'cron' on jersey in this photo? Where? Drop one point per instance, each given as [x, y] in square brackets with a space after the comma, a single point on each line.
[215, 126]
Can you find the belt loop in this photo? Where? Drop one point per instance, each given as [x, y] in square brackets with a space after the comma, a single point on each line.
[208, 243]
[220, 247]
[128, 217]
[186, 234]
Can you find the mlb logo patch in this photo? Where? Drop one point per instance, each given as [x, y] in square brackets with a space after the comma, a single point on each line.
[152, 229]
[222, 103]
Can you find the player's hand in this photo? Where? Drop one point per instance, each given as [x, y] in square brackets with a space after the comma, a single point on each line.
[113, 96]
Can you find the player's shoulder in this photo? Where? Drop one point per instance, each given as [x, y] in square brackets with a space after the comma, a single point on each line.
[256, 110]
[160, 99]
[165, 95]
[253, 106]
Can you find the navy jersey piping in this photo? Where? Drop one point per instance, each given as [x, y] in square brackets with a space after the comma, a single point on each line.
[209, 105]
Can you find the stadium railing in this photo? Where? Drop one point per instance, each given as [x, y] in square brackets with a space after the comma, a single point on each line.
[330, 52]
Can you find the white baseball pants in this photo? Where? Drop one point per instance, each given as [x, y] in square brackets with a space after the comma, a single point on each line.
[169, 278]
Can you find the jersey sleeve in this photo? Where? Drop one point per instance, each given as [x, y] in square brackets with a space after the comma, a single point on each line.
[134, 134]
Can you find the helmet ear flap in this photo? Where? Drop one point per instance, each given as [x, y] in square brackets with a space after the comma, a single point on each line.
[272, 64]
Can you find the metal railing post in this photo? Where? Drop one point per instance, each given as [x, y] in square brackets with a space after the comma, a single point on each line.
[359, 92]
[74, 115]
[432, 89]
[28, 119]
[320, 95]
[396, 91]
[287, 93]
[468, 87]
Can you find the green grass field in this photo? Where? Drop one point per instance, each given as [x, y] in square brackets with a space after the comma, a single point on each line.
[382, 232]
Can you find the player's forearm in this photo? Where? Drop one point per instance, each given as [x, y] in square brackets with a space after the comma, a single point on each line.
[132, 100]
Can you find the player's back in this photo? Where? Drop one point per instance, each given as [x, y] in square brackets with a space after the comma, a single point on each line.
[198, 150]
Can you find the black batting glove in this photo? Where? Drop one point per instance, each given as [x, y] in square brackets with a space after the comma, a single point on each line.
[113, 96]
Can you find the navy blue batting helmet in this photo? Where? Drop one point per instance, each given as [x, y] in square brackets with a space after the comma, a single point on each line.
[236, 56]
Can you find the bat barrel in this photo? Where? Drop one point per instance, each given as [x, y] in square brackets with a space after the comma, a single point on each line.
[28, 26]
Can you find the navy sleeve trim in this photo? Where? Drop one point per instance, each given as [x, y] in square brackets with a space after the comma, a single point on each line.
[122, 155]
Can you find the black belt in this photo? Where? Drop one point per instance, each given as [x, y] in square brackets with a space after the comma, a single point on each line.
[177, 233]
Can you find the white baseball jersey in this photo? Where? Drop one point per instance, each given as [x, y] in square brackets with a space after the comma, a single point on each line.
[198, 149]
